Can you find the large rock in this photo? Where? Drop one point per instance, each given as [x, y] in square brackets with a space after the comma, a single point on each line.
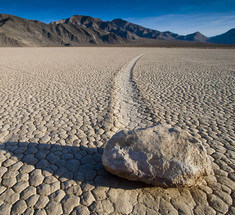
[161, 155]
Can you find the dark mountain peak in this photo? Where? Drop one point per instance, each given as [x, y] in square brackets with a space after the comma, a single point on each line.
[199, 34]
[196, 36]
[119, 21]
[167, 32]
[231, 31]
[225, 38]
[37, 22]
[4, 16]
[123, 23]
[83, 18]
[80, 20]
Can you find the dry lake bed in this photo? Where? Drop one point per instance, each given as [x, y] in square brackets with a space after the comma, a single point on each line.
[60, 106]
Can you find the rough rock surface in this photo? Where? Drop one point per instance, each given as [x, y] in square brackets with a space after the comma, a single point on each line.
[159, 155]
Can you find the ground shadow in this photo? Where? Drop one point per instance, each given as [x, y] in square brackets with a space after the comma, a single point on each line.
[79, 163]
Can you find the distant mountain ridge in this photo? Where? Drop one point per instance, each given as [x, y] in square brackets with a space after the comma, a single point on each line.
[226, 38]
[128, 30]
[197, 36]
[15, 31]
[80, 30]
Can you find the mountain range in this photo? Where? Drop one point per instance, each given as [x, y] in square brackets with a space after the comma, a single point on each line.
[85, 30]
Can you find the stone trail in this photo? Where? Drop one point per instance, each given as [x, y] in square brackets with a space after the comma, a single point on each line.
[129, 108]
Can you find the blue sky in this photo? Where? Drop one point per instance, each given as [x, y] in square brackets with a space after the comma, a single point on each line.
[210, 17]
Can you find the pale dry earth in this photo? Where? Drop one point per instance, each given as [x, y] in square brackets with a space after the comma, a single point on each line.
[59, 106]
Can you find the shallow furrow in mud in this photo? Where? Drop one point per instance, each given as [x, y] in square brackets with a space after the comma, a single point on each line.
[129, 108]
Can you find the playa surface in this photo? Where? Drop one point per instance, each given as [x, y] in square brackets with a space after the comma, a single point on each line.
[60, 106]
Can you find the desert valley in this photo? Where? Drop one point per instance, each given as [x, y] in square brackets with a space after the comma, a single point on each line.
[60, 106]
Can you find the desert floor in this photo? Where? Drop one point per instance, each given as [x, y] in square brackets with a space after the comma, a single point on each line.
[59, 106]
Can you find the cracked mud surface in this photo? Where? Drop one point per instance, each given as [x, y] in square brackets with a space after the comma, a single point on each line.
[60, 106]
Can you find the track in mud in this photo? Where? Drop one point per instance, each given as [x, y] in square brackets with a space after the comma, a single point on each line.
[129, 108]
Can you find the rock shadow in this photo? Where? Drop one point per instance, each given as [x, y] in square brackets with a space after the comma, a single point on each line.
[78, 163]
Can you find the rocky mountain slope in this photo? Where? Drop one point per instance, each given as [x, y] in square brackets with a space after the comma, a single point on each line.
[15, 31]
[85, 30]
[226, 38]
[197, 36]
[126, 29]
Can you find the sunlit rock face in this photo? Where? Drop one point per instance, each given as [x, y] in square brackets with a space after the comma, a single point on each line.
[161, 155]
